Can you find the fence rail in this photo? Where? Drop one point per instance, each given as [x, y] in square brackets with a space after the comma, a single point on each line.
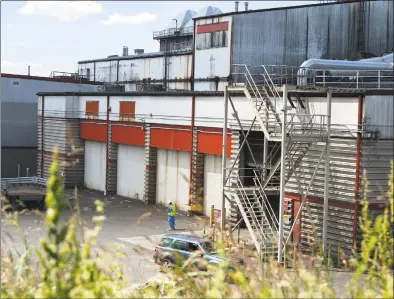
[34, 181]
[173, 31]
[338, 78]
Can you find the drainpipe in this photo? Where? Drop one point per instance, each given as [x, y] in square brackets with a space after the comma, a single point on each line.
[42, 135]
[358, 157]
[193, 57]
[107, 150]
[191, 150]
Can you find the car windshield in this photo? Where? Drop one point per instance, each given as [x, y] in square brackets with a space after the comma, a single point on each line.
[208, 247]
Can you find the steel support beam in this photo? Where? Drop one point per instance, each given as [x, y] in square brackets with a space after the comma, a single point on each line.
[265, 155]
[282, 176]
[224, 156]
[327, 173]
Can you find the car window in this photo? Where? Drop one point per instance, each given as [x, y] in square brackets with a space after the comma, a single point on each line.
[193, 247]
[180, 245]
[165, 242]
[208, 247]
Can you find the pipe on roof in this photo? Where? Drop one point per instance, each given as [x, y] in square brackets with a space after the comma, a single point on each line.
[344, 67]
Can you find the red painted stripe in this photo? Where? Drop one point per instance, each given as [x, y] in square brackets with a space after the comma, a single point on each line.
[171, 139]
[128, 135]
[93, 131]
[216, 27]
[212, 143]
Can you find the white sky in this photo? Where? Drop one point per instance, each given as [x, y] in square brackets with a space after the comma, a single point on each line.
[54, 36]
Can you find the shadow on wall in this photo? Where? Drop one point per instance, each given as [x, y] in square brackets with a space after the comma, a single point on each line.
[11, 158]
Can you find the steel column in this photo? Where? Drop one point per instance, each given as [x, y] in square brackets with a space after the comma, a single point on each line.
[42, 134]
[327, 173]
[282, 176]
[224, 156]
[265, 154]
[358, 158]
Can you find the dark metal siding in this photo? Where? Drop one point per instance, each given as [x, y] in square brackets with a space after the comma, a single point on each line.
[291, 36]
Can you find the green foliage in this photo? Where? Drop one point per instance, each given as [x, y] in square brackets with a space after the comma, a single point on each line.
[67, 268]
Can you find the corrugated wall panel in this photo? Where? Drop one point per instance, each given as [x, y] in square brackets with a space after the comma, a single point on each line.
[259, 38]
[340, 227]
[19, 108]
[213, 183]
[378, 114]
[342, 171]
[379, 27]
[131, 170]
[95, 160]
[173, 171]
[375, 160]
[55, 132]
[291, 36]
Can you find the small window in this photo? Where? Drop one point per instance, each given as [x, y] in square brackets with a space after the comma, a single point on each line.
[88, 74]
[92, 109]
[180, 245]
[127, 111]
[165, 242]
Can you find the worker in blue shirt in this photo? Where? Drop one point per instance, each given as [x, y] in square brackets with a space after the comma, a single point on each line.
[171, 215]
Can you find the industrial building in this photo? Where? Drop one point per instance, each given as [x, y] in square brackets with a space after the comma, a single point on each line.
[272, 110]
[19, 116]
[278, 36]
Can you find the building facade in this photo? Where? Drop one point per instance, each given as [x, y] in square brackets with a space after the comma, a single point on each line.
[19, 117]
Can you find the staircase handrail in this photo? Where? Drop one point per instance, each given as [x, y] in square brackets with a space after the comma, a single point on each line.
[256, 222]
[264, 196]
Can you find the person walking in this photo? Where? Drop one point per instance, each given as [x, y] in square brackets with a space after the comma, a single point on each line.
[171, 215]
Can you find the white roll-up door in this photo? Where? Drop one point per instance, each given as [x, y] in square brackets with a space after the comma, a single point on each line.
[173, 175]
[95, 165]
[131, 171]
[213, 183]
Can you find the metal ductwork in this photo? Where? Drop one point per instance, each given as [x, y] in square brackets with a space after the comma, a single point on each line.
[344, 67]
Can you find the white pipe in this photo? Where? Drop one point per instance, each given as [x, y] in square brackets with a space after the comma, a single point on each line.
[345, 67]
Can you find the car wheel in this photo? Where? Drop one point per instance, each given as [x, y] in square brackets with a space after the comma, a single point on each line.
[167, 264]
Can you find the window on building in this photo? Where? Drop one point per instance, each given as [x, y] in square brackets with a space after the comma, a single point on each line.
[92, 109]
[213, 35]
[88, 74]
[127, 111]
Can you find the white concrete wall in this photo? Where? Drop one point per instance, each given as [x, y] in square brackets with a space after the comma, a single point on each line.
[173, 176]
[95, 167]
[131, 171]
[213, 183]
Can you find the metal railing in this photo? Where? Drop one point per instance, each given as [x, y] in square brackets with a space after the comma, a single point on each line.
[340, 79]
[262, 237]
[173, 31]
[6, 183]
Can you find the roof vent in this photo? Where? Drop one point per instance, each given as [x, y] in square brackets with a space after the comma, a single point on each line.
[138, 51]
[236, 6]
[246, 6]
[125, 51]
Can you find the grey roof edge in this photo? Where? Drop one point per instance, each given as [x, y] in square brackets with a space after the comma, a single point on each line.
[275, 8]
[350, 93]
[135, 93]
[133, 57]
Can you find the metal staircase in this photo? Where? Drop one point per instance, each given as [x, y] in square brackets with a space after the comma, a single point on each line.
[301, 129]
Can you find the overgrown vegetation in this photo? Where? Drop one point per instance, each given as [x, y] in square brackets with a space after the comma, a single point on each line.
[68, 266]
